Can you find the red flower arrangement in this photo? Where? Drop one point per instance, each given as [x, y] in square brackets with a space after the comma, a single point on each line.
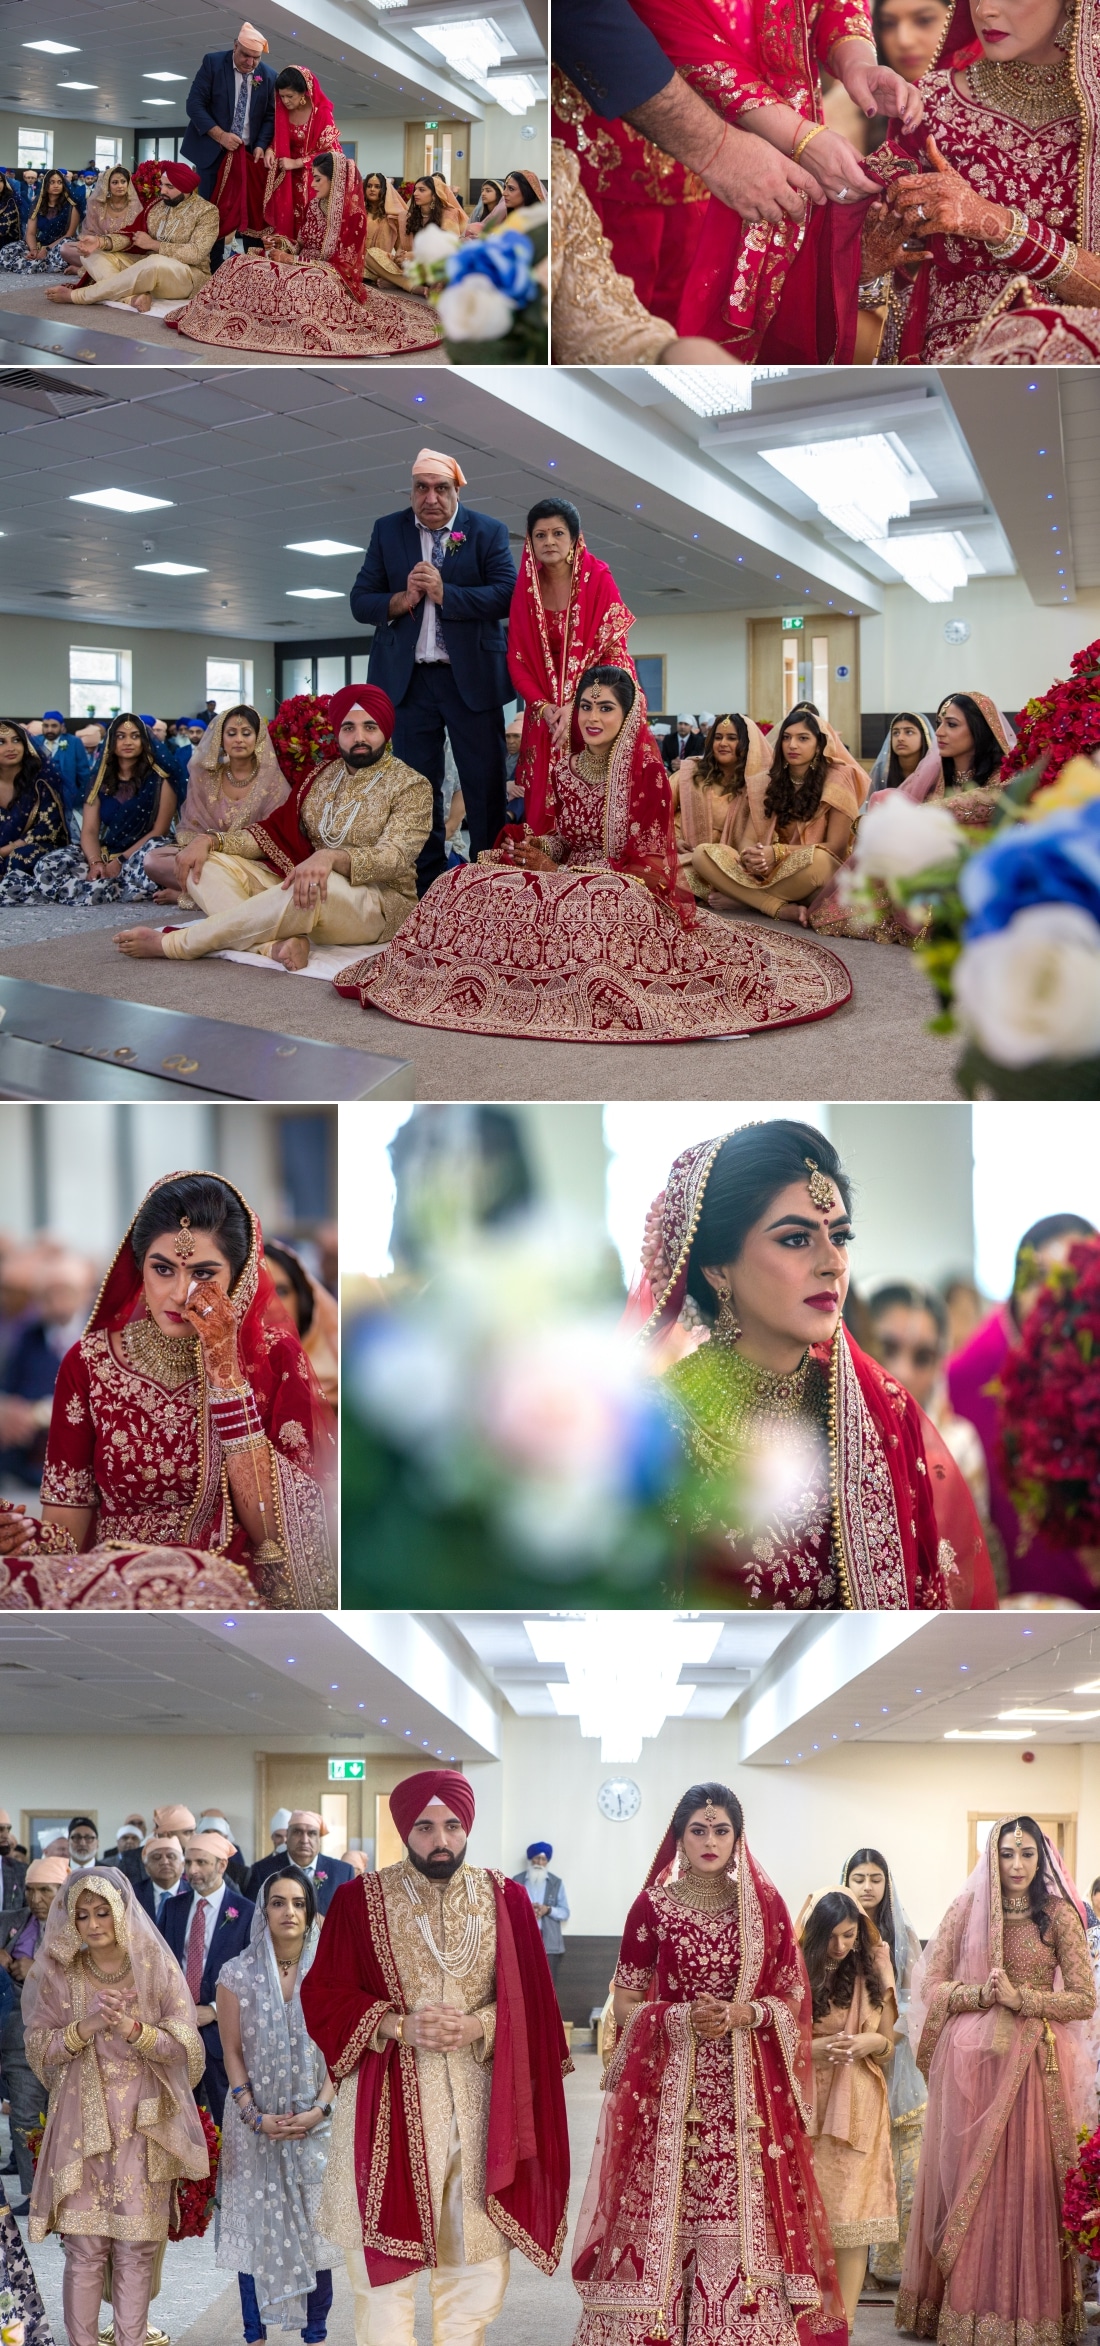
[1081, 2203]
[1063, 723]
[146, 181]
[301, 735]
[193, 2203]
[1050, 1385]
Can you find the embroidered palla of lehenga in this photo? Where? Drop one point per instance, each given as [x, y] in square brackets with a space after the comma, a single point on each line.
[702, 2219]
[1008, 2092]
[603, 946]
[133, 1438]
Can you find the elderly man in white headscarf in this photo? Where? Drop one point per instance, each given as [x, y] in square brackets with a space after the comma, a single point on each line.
[304, 1834]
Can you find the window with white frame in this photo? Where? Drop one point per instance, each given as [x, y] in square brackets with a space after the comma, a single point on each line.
[100, 681]
[35, 149]
[108, 152]
[228, 682]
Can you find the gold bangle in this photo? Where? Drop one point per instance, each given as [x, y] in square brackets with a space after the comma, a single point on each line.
[145, 2042]
[802, 143]
[74, 2042]
[399, 2031]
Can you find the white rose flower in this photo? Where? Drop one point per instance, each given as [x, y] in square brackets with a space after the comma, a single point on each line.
[434, 244]
[473, 310]
[897, 840]
[1032, 991]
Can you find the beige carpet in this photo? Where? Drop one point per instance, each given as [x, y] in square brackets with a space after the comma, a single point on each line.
[29, 298]
[878, 1047]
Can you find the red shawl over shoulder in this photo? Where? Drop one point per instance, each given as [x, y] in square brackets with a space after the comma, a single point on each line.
[285, 199]
[596, 626]
[280, 836]
[352, 1982]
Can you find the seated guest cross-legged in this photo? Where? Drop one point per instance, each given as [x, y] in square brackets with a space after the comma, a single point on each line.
[113, 207]
[801, 826]
[387, 245]
[710, 791]
[166, 259]
[32, 821]
[55, 217]
[336, 863]
[129, 806]
[233, 779]
[305, 297]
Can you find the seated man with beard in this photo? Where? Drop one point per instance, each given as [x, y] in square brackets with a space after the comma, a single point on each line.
[170, 256]
[336, 863]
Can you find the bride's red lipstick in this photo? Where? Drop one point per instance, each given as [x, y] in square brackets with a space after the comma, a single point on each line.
[823, 1302]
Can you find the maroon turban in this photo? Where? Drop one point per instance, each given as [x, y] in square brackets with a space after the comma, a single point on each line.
[367, 697]
[409, 1799]
[179, 175]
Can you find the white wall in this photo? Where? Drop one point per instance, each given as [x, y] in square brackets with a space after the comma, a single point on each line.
[496, 146]
[909, 1800]
[913, 1174]
[1016, 647]
[706, 657]
[169, 667]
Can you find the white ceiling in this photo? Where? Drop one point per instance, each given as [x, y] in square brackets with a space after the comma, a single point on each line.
[366, 60]
[507, 1657]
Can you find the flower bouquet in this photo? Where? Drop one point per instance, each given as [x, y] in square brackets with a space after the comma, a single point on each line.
[193, 2201]
[1051, 1406]
[146, 182]
[1063, 722]
[1009, 925]
[488, 292]
[301, 735]
[1081, 2201]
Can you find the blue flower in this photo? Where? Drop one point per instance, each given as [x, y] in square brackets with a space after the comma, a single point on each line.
[1056, 861]
[506, 261]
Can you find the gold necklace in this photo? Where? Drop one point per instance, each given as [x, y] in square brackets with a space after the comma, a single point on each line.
[593, 767]
[108, 1977]
[1034, 95]
[706, 1893]
[766, 1392]
[1017, 1902]
[169, 1360]
[289, 1963]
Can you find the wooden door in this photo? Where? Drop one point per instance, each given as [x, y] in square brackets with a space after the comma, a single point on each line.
[358, 1812]
[817, 661]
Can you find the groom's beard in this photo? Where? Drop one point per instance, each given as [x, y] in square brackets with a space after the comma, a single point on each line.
[440, 1866]
[358, 758]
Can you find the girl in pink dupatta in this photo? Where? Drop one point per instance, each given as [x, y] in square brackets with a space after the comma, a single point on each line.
[713, 796]
[802, 818]
[567, 615]
[110, 2031]
[305, 126]
[233, 781]
[1001, 2011]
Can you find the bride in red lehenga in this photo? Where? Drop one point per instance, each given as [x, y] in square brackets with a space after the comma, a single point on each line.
[309, 301]
[702, 2217]
[585, 931]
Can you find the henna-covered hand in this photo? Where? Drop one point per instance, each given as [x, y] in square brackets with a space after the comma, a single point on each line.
[941, 202]
[209, 1312]
[886, 245]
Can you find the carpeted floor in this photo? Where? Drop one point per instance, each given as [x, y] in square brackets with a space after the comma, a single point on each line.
[877, 1047]
[27, 296]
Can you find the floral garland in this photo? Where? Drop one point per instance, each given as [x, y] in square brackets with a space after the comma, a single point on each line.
[1062, 723]
[193, 2201]
[1081, 2202]
[301, 735]
[146, 182]
[1051, 1406]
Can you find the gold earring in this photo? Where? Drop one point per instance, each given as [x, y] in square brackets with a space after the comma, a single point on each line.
[727, 1327]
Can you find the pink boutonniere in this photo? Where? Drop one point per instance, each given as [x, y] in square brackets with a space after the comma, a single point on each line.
[319, 1874]
[257, 81]
[231, 1913]
[457, 538]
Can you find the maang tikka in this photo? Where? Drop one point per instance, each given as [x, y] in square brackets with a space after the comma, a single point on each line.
[183, 1245]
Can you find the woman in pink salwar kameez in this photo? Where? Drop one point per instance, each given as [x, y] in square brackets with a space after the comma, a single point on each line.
[110, 2031]
[1001, 2011]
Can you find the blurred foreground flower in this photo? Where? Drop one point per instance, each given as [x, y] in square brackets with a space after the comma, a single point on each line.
[1031, 991]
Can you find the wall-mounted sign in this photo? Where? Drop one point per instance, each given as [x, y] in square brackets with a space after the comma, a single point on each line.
[788, 624]
[346, 1771]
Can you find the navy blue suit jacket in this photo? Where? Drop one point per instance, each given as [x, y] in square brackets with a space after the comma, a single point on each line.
[478, 581]
[609, 53]
[230, 1937]
[210, 102]
[331, 1872]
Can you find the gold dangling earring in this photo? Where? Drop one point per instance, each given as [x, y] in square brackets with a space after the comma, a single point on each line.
[727, 1328]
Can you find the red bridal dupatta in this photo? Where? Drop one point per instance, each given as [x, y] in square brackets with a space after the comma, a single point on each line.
[287, 195]
[628, 2253]
[548, 657]
[339, 236]
[639, 838]
[905, 1532]
[741, 54]
[353, 1981]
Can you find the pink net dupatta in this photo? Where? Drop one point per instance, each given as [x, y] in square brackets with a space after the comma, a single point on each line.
[698, 817]
[977, 2062]
[628, 2249]
[58, 1991]
[208, 805]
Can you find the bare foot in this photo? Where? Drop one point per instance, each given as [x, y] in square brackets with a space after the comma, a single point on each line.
[795, 912]
[141, 944]
[168, 896]
[59, 293]
[142, 301]
[293, 952]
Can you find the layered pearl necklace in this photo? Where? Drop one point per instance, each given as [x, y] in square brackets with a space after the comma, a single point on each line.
[467, 1954]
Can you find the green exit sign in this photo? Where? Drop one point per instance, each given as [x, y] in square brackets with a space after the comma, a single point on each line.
[431, 126]
[346, 1771]
[788, 624]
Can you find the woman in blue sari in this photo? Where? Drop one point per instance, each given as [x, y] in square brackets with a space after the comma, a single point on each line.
[32, 819]
[130, 806]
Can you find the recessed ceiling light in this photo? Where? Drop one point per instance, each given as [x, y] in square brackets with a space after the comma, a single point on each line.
[324, 546]
[316, 594]
[164, 77]
[158, 101]
[174, 569]
[119, 500]
[54, 48]
[78, 85]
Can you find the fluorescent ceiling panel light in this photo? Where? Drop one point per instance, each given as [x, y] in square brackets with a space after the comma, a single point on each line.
[516, 93]
[78, 85]
[119, 500]
[623, 1672]
[932, 563]
[1040, 1715]
[988, 1735]
[323, 546]
[860, 485]
[54, 48]
[158, 101]
[714, 390]
[470, 49]
[164, 77]
[174, 569]
[382, 5]
[316, 594]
